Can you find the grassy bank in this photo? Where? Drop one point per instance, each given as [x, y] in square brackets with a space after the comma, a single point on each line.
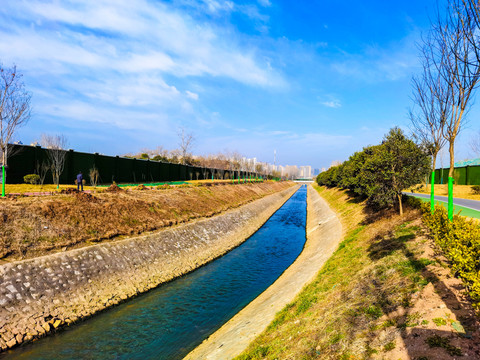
[33, 226]
[384, 294]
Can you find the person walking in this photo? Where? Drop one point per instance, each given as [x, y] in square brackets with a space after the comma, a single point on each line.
[79, 181]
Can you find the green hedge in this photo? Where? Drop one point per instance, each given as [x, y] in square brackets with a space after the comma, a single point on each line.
[460, 242]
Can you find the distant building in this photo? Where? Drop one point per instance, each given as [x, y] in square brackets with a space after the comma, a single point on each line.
[316, 172]
[305, 172]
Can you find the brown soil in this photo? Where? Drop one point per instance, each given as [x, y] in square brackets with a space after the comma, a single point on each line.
[440, 313]
[114, 188]
[34, 226]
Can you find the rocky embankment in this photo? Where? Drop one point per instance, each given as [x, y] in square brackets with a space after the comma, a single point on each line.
[40, 295]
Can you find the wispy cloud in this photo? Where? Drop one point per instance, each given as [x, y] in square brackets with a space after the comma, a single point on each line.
[191, 95]
[114, 54]
[378, 64]
[265, 3]
[332, 104]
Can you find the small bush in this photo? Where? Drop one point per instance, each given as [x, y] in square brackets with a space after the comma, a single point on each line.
[413, 202]
[476, 189]
[33, 179]
[460, 242]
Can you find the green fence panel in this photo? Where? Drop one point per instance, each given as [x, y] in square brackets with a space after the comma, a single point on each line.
[124, 170]
[183, 173]
[20, 163]
[460, 176]
[25, 160]
[74, 163]
[106, 168]
[474, 175]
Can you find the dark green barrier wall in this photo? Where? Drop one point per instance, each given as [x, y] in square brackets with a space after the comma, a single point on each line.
[468, 175]
[27, 159]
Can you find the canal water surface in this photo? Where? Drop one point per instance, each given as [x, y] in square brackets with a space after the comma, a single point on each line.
[171, 320]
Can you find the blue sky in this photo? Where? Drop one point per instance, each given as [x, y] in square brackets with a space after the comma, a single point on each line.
[315, 80]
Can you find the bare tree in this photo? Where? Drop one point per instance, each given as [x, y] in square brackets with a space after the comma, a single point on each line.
[15, 110]
[475, 143]
[94, 175]
[432, 108]
[454, 52]
[42, 169]
[186, 140]
[56, 149]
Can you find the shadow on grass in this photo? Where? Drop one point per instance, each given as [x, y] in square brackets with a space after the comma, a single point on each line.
[354, 198]
[383, 246]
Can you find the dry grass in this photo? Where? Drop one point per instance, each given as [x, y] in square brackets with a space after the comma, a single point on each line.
[359, 306]
[27, 188]
[459, 191]
[33, 226]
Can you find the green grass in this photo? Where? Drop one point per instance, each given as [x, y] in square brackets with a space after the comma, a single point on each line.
[439, 321]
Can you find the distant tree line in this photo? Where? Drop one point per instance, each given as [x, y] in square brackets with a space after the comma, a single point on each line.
[381, 172]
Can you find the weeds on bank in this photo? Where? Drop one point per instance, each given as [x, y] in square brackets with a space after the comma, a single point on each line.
[355, 296]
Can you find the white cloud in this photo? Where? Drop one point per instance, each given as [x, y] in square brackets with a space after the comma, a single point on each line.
[265, 3]
[332, 104]
[122, 62]
[191, 95]
[140, 38]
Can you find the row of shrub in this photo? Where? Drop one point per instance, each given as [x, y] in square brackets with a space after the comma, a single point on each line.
[460, 243]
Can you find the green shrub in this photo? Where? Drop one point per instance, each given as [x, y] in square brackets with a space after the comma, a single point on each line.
[460, 242]
[476, 189]
[31, 179]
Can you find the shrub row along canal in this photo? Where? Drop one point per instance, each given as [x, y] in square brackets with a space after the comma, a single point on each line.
[170, 321]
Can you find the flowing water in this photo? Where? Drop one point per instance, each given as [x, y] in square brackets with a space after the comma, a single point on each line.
[171, 320]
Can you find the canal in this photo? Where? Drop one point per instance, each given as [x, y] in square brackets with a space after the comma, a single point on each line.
[171, 320]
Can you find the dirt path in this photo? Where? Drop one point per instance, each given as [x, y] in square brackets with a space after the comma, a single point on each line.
[324, 232]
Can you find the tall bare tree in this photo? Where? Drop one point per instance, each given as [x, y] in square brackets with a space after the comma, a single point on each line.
[431, 98]
[456, 56]
[186, 140]
[15, 110]
[56, 146]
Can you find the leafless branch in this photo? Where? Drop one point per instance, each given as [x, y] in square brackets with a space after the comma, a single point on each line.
[14, 107]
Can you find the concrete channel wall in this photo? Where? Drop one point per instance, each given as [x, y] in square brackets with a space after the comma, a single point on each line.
[39, 296]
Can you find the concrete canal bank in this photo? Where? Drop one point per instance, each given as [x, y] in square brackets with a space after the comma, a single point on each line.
[324, 233]
[40, 295]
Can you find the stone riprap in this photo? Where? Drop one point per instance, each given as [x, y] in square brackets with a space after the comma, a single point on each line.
[40, 295]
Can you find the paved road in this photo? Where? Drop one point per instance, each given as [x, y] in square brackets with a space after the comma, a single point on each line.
[471, 204]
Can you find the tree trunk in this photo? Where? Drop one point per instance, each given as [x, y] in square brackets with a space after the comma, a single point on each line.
[432, 181]
[450, 178]
[400, 207]
[452, 157]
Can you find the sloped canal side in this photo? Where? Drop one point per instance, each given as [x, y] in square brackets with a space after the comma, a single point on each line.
[171, 320]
